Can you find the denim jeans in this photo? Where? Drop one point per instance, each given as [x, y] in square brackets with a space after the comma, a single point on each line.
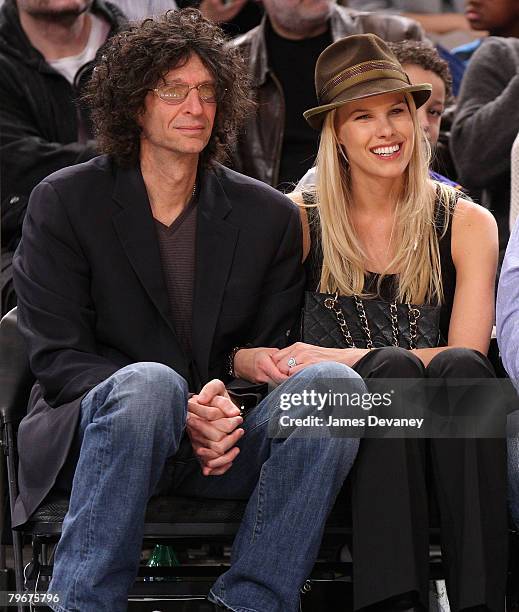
[131, 426]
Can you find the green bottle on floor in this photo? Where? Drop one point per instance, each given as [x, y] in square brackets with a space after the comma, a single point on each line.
[162, 556]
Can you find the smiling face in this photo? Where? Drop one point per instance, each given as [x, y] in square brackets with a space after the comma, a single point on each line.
[183, 128]
[377, 135]
[430, 113]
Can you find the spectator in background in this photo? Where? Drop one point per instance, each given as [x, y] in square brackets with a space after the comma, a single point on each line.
[277, 146]
[234, 17]
[435, 16]
[135, 11]
[443, 20]
[46, 54]
[424, 64]
[486, 124]
[497, 17]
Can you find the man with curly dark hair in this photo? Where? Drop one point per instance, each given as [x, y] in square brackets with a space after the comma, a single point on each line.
[136, 65]
[149, 279]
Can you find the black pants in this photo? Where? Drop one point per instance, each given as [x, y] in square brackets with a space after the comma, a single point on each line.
[390, 500]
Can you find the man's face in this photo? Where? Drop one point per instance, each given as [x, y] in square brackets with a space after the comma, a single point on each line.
[298, 16]
[183, 128]
[430, 113]
[54, 8]
[492, 15]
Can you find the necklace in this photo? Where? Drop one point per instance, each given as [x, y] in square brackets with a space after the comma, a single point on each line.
[391, 235]
[375, 259]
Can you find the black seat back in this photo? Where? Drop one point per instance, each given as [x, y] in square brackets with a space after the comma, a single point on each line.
[15, 375]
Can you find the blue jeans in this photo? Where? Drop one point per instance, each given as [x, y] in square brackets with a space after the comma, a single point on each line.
[131, 425]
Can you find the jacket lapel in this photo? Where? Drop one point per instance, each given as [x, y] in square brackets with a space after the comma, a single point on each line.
[135, 228]
[216, 242]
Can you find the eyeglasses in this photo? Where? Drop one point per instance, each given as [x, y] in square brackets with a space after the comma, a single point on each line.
[176, 93]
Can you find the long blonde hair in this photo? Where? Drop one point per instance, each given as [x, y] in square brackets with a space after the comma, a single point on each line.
[417, 256]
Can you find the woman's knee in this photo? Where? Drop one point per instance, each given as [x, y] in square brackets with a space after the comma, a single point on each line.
[329, 370]
[322, 380]
[391, 362]
[460, 362]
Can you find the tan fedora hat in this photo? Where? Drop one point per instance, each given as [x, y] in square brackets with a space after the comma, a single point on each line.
[356, 67]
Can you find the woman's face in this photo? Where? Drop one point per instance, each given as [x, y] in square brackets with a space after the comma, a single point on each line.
[377, 135]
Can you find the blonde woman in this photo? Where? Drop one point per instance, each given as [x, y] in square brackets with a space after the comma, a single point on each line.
[377, 227]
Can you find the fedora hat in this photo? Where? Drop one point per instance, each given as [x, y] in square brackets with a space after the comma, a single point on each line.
[356, 67]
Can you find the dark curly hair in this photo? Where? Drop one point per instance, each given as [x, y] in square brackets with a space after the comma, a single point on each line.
[424, 55]
[135, 60]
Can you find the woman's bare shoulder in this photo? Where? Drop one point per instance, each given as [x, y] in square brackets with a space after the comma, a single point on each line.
[468, 214]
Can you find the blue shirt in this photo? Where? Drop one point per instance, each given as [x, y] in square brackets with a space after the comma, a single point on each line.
[436, 176]
[507, 308]
[465, 52]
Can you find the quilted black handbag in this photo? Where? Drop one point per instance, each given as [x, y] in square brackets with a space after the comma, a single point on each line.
[335, 321]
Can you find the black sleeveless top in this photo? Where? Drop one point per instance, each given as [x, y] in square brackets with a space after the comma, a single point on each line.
[314, 261]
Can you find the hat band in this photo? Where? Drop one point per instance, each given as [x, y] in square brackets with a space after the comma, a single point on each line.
[367, 71]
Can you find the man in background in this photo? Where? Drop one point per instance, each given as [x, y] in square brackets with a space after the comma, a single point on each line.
[277, 146]
[234, 17]
[47, 48]
[485, 126]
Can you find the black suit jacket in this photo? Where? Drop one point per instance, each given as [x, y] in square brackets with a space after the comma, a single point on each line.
[92, 298]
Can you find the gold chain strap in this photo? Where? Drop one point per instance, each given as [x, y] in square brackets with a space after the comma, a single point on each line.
[413, 314]
[361, 313]
[332, 304]
[393, 311]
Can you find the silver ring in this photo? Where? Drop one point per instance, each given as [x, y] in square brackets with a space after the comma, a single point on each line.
[291, 363]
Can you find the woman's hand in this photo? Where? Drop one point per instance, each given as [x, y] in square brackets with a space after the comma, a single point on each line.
[302, 355]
